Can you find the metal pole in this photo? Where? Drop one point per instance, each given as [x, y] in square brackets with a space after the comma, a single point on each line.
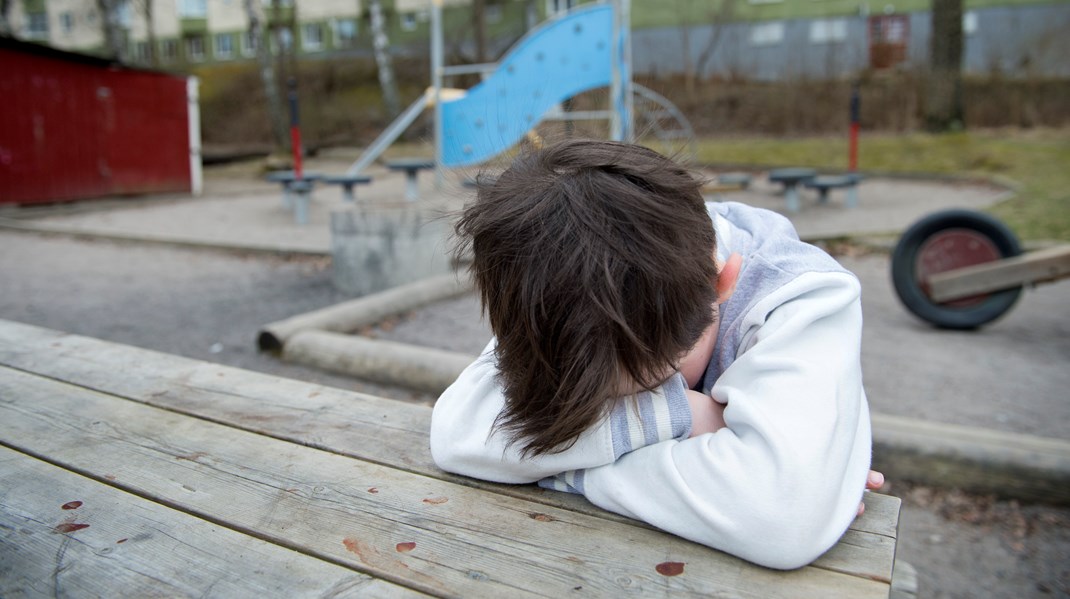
[627, 118]
[856, 117]
[436, 84]
[616, 123]
[295, 127]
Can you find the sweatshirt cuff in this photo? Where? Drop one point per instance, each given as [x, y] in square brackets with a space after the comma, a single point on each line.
[648, 417]
[566, 482]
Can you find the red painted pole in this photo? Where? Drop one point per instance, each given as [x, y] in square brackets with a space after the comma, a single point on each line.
[852, 152]
[295, 128]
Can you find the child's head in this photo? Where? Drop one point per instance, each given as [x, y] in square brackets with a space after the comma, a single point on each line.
[595, 265]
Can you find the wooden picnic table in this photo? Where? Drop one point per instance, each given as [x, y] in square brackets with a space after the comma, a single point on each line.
[128, 472]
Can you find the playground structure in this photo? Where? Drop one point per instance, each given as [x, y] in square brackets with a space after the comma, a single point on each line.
[960, 269]
[584, 49]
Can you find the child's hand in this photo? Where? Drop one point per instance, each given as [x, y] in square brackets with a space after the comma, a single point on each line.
[874, 481]
[707, 415]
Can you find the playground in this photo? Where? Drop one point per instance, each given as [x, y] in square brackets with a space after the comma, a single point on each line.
[335, 273]
[241, 262]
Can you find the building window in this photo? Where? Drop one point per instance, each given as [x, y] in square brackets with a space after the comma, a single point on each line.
[195, 48]
[827, 31]
[141, 52]
[124, 14]
[493, 13]
[345, 32]
[168, 50]
[767, 34]
[969, 23]
[224, 45]
[66, 22]
[284, 39]
[36, 25]
[193, 9]
[311, 37]
[408, 21]
[248, 44]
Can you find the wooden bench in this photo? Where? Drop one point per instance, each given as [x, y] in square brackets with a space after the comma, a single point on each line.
[128, 472]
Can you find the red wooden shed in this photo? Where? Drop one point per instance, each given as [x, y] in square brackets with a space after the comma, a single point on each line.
[77, 126]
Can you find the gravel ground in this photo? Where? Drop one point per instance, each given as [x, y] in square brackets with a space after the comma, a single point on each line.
[210, 305]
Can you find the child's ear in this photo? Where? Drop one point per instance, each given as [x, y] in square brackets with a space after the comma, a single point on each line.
[726, 279]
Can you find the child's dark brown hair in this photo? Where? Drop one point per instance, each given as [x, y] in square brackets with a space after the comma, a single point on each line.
[594, 261]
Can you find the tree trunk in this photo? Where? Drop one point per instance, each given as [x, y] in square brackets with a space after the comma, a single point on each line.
[943, 98]
[479, 21]
[150, 31]
[531, 15]
[685, 48]
[381, 46]
[5, 18]
[109, 22]
[725, 14]
[276, 116]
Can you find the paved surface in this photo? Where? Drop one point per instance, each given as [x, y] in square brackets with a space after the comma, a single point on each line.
[208, 305]
[246, 213]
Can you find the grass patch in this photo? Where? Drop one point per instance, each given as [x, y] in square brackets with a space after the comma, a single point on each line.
[1038, 161]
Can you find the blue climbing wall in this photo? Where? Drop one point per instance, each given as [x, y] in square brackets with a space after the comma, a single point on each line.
[562, 58]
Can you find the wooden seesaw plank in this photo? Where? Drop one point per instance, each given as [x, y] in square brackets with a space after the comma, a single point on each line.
[1034, 267]
[424, 533]
[64, 535]
[371, 428]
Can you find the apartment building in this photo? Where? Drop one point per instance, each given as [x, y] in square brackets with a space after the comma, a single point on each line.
[763, 39]
[188, 32]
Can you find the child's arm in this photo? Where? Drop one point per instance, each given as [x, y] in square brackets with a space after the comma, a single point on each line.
[465, 440]
[707, 415]
[783, 481]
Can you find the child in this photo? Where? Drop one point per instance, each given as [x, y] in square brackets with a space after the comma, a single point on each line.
[691, 365]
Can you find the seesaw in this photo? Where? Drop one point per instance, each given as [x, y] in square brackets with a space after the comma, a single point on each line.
[960, 269]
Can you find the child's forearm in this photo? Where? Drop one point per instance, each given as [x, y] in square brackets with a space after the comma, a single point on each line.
[465, 438]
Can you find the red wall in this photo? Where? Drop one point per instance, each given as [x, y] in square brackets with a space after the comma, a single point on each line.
[79, 128]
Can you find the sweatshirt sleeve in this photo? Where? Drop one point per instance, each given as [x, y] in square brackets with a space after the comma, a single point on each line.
[782, 482]
[465, 440]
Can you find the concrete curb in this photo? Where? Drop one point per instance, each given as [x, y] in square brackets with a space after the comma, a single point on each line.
[979, 460]
[26, 226]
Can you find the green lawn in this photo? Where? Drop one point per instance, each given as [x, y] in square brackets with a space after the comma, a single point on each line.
[1038, 162]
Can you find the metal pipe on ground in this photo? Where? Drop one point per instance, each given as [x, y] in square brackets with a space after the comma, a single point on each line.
[352, 315]
[421, 368]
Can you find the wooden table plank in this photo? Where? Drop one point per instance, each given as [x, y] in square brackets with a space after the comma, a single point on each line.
[367, 427]
[466, 541]
[65, 535]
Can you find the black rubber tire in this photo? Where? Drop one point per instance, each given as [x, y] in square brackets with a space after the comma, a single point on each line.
[908, 287]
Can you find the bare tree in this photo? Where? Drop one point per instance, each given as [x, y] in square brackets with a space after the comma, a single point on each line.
[5, 17]
[258, 36]
[943, 98]
[718, 21]
[381, 47]
[112, 28]
[147, 9]
[479, 21]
